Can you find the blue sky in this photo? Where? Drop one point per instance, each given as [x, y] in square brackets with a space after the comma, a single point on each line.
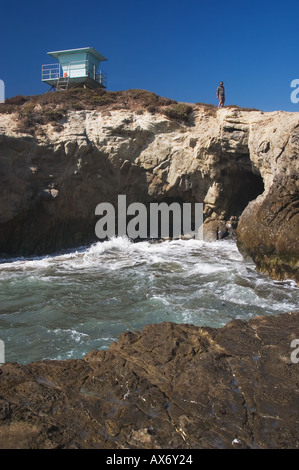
[178, 49]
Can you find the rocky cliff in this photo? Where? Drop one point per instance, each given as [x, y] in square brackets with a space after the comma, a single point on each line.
[56, 168]
[168, 387]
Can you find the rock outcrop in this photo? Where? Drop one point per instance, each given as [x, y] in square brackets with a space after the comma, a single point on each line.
[168, 387]
[268, 229]
[53, 178]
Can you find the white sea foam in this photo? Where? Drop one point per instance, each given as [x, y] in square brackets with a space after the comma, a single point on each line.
[68, 304]
[76, 335]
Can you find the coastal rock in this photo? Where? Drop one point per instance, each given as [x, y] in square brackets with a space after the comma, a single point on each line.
[268, 232]
[169, 387]
[54, 174]
[268, 229]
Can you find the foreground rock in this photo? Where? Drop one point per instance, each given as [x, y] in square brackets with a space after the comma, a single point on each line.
[170, 386]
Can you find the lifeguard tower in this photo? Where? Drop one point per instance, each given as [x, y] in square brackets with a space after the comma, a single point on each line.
[76, 67]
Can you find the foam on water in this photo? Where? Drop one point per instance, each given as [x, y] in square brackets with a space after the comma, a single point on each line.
[63, 306]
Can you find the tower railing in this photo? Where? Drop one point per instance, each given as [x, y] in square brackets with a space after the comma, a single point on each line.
[74, 69]
[51, 72]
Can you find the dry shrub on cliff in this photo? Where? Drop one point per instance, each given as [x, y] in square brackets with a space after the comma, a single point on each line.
[146, 99]
[13, 104]
[92, 99]
[30, 114]
[179, 111]
[83, 98]
[17, 100]
[53, 107]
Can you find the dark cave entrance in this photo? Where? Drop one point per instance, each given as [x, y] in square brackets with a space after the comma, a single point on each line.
[243, 187]
[237, 187]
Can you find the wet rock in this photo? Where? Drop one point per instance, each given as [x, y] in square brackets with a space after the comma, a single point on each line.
[48, 194]
[268, 233]
[170, 386]
[215, 229]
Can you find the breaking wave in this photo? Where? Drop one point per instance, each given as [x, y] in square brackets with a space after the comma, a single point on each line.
[64, 306]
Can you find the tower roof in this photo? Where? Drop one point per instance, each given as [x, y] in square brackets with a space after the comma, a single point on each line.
[90, 50]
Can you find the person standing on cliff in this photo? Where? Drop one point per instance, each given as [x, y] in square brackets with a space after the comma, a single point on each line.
[220, 94]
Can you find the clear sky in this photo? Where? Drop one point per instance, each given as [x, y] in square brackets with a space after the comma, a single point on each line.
[178, 49]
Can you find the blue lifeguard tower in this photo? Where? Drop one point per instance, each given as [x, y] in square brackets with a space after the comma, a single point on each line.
[76, 67]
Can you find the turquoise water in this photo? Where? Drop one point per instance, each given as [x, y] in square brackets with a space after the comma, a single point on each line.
[64, 306]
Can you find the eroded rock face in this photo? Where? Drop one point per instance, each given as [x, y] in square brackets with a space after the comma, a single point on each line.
[268, 229]
[51, 183]
[170, 386]
[268, 232]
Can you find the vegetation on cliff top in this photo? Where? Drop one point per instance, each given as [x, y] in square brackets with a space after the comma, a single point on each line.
[40, 109]
[52, 107]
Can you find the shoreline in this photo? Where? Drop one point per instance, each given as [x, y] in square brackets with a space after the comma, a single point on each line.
[124, 286]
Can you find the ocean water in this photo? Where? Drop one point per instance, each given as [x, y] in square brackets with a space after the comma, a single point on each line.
[64, 306]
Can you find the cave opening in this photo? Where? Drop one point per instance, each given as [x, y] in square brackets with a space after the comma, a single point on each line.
[235, 189]
[244, 187]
